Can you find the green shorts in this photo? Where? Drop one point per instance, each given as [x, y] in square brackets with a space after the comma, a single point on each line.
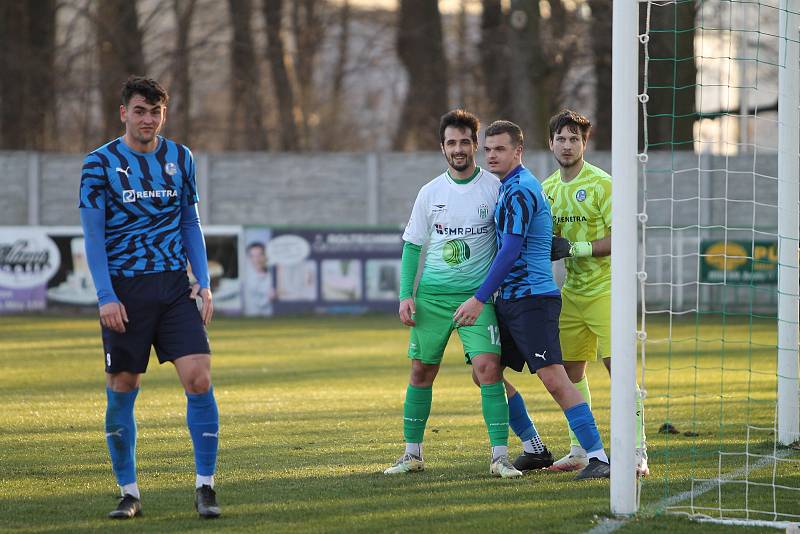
[434, 320]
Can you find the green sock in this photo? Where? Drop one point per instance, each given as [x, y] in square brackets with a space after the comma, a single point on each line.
[416, 410]
[495, 412]
[639, 418]
[583, 387]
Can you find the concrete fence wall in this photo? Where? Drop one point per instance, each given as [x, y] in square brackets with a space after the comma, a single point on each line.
[687, 197]
[379, 189]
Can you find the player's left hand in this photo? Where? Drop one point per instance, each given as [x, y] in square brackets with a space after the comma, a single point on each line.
[207, 308]
[468, 312]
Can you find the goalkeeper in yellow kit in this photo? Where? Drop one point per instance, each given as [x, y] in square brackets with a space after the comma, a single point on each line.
[580, 202]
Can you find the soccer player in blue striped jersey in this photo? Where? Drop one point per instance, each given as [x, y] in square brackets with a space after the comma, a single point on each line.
[138, 208]
[529, 301]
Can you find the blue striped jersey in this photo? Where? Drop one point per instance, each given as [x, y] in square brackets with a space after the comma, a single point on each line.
[142, 195]
[523, 210]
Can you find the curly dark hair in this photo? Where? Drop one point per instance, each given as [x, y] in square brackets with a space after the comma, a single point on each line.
[572, 120]
[151, 90]
[462, 120]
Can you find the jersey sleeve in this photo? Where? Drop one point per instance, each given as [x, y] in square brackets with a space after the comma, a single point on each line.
[418, 228]
[548, 190]
[93, 183]
[604, 201]
[189, 194]
[519, 206]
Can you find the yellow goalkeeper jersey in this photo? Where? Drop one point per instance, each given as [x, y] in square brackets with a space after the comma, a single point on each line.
[582, 212]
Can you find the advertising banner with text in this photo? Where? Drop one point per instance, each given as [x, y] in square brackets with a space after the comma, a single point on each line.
[739, 262]
[45, 268]
[255, 271]
[291, 271]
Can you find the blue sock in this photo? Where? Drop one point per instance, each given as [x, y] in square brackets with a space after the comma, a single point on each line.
[519, 420]
[121, 434]
[582, 423]
[202, 418]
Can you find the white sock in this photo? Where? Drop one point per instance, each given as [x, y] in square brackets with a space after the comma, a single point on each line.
[414, 448]
[599, 454]
[498, 451]
[577, 450]
[534, 445]
[131, 489]
[201, 480]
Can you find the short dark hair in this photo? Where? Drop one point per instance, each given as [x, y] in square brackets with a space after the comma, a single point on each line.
[462, 120]
[576, 123]
[151, 90]
[501, 127]
[255, 244]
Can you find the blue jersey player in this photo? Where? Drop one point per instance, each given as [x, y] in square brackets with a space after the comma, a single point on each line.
[138, 207]
[529, 301]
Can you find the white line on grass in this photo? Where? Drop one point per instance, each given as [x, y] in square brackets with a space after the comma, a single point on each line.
[610, 525]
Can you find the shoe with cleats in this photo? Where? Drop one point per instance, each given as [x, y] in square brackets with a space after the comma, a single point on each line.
[531, 461]
[205, 502]
[406, 464]
[502, 467]
[576, 460]
[128, 507]
[595, 469]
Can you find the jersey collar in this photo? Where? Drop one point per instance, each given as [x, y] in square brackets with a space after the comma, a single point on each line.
[514, 174]
[581, 175]
[132, 151]
[465, 181]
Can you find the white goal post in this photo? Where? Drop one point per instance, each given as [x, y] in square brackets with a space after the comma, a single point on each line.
[628, 275]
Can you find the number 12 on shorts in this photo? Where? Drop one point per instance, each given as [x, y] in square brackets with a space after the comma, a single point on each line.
[494, 333]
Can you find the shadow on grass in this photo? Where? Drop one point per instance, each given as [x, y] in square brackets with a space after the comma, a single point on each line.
[437, 500]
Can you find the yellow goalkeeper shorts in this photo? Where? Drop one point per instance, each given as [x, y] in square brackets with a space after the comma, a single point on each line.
[585, 325]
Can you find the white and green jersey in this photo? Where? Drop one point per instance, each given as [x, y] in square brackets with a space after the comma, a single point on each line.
[581, 211]
[457, 222]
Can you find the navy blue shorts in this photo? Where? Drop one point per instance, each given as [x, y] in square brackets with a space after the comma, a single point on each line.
[160, 314]
[529, 332]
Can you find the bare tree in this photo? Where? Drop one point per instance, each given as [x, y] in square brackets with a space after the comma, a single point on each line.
[525, 62]
[246, 127]
[543, 55]
[525, 69]
[308, 35]
[75, 68]
[562, 52]
[119, 40]
[331, 139]
[420, 48]
[672, 77]
[273, 16]
[184, 11]
[27, 89]
[495, 58]
[601, 49]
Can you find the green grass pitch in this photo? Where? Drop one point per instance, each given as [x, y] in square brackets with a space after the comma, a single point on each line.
[310, 416]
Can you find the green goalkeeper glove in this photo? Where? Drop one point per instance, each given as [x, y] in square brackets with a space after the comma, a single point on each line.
[580, 249]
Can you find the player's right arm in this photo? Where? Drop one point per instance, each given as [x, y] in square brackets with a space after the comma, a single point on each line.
[408, 273]
[517, 208]
[417, 232]
[93, 220]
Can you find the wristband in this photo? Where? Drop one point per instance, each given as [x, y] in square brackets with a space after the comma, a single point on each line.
[580, 249]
